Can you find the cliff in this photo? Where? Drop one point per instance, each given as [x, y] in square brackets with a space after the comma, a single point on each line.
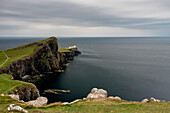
[45, 58]
[30, 61]
[26, 91]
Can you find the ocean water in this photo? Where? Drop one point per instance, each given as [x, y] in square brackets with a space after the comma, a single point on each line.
[132, 68]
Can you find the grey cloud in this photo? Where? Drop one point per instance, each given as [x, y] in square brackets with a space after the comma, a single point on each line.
[8, 27]
[60, 12]
[80, 14]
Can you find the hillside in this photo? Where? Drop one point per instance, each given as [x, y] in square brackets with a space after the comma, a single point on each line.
[27, 63]
[35, 58]
[90, 106]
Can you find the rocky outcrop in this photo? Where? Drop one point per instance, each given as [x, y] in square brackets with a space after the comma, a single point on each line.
[38, 102]
[16, 97]
[114, 98]
[70, 55]
[15, 107]
[97, 93]
[150, 100]
[28, 93]
[46, 58]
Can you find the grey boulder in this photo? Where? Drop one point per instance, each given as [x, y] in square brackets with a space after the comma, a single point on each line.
[38, 102]
[97, 93]
[15, 107]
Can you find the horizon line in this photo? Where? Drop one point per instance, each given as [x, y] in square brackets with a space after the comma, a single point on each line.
[85, 36]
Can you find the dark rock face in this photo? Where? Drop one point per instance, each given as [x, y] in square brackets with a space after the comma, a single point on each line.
[28, 93]
[45, 59]
[70, 55]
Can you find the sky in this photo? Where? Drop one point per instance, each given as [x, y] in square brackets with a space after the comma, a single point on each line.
[85, 18]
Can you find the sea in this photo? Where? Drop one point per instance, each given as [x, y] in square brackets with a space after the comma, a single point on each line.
[132, 68]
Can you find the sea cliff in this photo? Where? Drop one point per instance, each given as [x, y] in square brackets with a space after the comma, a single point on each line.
[44, 57]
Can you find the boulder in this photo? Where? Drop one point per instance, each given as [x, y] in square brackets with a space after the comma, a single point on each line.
[2, 94]
[114, 98]
[117, 98]
[14, 96]
[97, 93]
[111, 97]
[38, 102]
[150, 100]
[75, 101]
[145, 100]
[157, 100]
[65, 103]
[28, 93]
[15, 107]
[26, 77]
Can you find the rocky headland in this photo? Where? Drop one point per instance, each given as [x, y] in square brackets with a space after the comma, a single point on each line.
[46, 57]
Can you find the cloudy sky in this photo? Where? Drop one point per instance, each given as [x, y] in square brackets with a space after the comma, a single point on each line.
[64, 18]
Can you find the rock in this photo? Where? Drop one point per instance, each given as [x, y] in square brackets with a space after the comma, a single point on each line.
[97, 93]
[75, 101]
[15, 107]
[152, 99]
[46, 58]
[157, 100]
[65, 103]
[145, 100]
[117, 98]
[114, 98]
[28, 93]
[21, 100]
[84, 98]
[38, 102]
[14, 96]
[2, 94]
[26, 77]
[111, 97]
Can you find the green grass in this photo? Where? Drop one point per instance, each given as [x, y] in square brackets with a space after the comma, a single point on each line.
[63, 49]
[15, 54]
[84, 106]
[19, 52]
[8, 86]
[91, 106]
[51, 38]
[2, 57]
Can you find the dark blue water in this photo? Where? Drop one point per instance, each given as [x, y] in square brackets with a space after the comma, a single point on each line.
[132, 68]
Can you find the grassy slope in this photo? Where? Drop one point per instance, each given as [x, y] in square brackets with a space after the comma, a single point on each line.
[2, 57]
[8, 86]
[91, 106]
[17, 54]
[63, 49]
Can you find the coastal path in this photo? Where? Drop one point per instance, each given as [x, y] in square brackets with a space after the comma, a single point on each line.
[6, 59]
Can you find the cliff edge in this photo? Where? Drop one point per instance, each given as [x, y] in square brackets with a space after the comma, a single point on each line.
[30, 61]
[44, 58]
